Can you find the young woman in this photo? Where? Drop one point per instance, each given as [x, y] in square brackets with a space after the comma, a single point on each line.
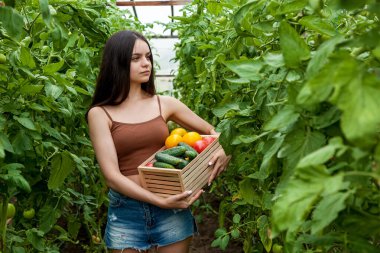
[128, 123]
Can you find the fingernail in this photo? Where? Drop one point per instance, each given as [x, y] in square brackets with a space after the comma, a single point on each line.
[209, 184]
[189, 192]
[210, 163]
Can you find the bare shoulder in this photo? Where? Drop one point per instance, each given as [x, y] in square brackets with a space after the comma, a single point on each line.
[95, 112]
[97, 115]
[169, 101]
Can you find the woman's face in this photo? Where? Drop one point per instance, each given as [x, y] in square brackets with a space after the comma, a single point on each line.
[141, 66]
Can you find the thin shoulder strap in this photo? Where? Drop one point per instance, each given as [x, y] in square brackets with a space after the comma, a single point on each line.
[159, 103]
[109, 116]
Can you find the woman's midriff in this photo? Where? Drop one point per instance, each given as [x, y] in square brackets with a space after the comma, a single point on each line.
[136, 179]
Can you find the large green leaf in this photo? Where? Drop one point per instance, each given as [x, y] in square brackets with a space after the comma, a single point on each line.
[35, 237]
[298, 143]
[274, 59]
[327, 210]
[291, 6]
[53, 91]
[319, 25]
[5, 145]
[222, 110]
[244, 12]
[44, 7]
[22, 142]
[322, 54]
[26, 122]
[13, 22]
[311, 186]
[270, 150]
[360, 104]
[328, 83]
[284, 118]
[14, 177]
[31, 89]
[294, 48]
[264, 232]
[62, 165]
[246, 68]
[53, 67]
[26, 58]
[323, 154]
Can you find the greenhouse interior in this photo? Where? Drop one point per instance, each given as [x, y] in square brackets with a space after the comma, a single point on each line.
[218, 126]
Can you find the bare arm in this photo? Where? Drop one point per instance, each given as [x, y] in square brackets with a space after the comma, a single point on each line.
[178, 112]
[99, 126]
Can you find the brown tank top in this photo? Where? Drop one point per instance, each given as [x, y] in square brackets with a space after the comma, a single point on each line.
[136, 142]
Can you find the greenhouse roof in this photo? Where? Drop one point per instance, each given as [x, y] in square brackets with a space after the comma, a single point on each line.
[158, 13]
[154, 12]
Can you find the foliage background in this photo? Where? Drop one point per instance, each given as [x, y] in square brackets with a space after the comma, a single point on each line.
[293, 85]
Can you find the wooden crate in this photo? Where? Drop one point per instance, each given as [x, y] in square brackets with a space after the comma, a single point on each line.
[166, 182]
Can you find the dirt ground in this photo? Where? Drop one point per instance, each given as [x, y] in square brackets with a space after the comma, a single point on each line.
[202, 242]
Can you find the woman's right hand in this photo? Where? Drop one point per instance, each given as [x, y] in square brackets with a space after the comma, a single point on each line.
[180, 201]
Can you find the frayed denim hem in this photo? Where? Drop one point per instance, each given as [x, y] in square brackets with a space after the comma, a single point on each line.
[139, 250]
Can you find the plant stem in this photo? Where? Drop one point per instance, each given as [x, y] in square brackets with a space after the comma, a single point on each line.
[3, 223]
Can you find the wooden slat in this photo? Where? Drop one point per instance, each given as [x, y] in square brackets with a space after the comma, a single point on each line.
[198, 172]
[195, 173]
[162, 178]
[205, 153]
[200, 181]
[152, 3]
[165, 174]
[166, 182]
[165, 186]
[160, 190]
[202, 160]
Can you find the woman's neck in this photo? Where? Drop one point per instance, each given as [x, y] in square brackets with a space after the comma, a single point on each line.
[135, 94]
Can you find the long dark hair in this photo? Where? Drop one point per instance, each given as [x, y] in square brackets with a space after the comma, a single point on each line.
[113, 82]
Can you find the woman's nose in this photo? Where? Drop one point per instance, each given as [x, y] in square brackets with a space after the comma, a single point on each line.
[145, 62]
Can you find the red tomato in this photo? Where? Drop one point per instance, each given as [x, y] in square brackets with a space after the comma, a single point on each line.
[199, 146]
[149, 164]
[208, 139]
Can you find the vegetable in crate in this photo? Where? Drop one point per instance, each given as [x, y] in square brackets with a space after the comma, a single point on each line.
[187, 146]
[191, 137]
[200, 145]
[163, 165]
[172, 140]
[177, 151]
[191, 154]
[176, 161]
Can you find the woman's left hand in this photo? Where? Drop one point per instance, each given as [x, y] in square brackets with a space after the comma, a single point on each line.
[218, 163]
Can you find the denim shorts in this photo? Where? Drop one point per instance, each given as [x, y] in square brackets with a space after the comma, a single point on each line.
[138, 225]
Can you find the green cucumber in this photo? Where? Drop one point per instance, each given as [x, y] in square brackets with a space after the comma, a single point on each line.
[169, 159]
[191, 154]
[177, 151]
[163, 165]
[182, 164]
[187, 146]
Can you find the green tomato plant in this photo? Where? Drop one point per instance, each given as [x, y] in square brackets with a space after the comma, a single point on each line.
[49, 57]
[294, 88]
